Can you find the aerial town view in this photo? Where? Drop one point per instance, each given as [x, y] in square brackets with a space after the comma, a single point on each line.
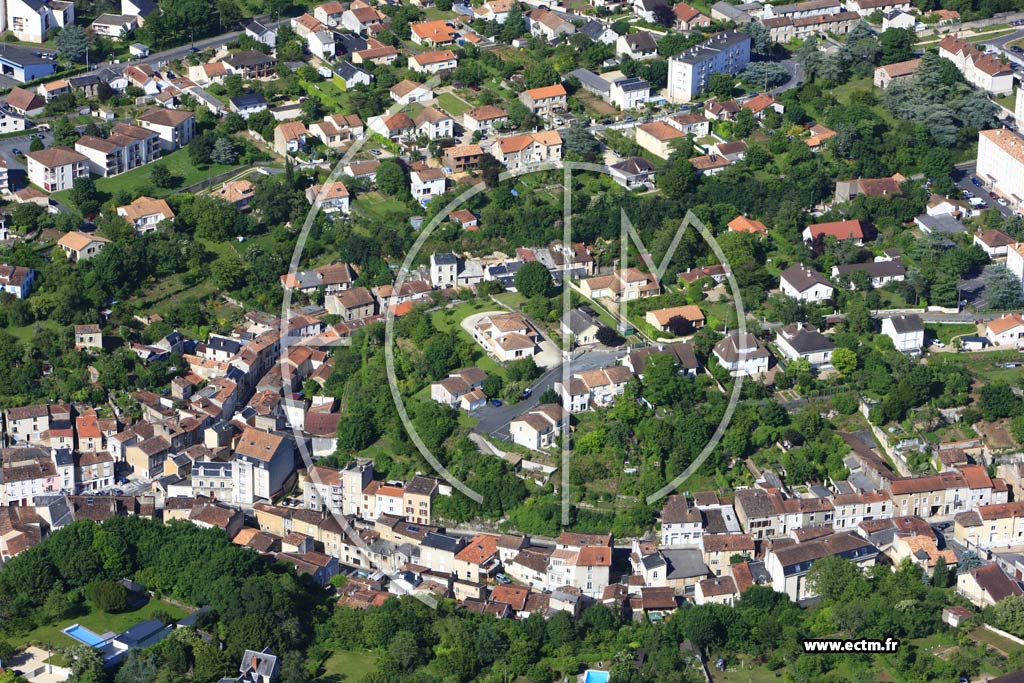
[514, 341]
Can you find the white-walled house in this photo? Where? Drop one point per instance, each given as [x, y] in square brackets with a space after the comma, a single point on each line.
[800, 340]
[805, 284]
[1006, 331]
[906, 332]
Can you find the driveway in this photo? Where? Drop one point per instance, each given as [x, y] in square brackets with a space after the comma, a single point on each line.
[494, 421]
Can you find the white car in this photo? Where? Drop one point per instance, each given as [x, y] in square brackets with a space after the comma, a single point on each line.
[1002, 202]
[937, 344]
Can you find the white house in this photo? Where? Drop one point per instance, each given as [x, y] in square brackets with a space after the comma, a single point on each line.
[805, 284]
[742, 355]
[906, 332]
[1006, 331]
[539, 428]
[800, 340]
[1001, 164]
[427, 183]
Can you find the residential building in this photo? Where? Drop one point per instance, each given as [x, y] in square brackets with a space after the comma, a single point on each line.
[333, 197]
[506, 336]
[461, 389]
[853, 230]
[236, 192]
[688, 72]
[16, 280]
[640, 45]
[985, 70]
[681, 523]
[594, 388]
[290, 137]
[407, 92]
[484, 120]
[337, 130]
[787, 28]
[906, 332]
[261, 32]
[433, 33]
[986, 585]
[1015, 260]
[461, 158]
[356, 303]
[56, 168]
[145, 213]
[126, 147]
[114, 26]
[1006, 331]
[348, 75]
[32, 22]
[25, 102]
[1001, 164]
[79, 245]
[433, 62]
[176, 127]
[657, 137]
[544, 101]
[867, 7]
[743, 355]
[788, 566]
[247, 104]
[677, 320]
[688, 18]
[633, 173]
[885, 75]
[262, 463]
[805, 284]
[629, 93]
[876, 274]
[991, 526]
[995, 243]
[539, 428]
[250, 64]
[426, 183]
[522, 151]
[434, 123]
[801, 340]
[626, 284]
[548, 25]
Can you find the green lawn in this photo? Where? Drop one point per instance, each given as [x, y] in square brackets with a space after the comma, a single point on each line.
[945, 332]
[1009, 101]
[138, 179]
[844, 92]
[453, 104]
[1004, 645]
[347, 666]
[96, 621]
[380, 207]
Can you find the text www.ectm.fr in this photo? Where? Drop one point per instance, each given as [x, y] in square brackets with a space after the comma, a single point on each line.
[861, 645]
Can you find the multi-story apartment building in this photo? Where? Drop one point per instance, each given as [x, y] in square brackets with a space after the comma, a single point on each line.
[689, 71]
[126, 147]
[991, 526]
[213, 480]
[1001, 163]
[175, 127]
[262, 463]
[853, 508]
[56, 169]
[985, 70]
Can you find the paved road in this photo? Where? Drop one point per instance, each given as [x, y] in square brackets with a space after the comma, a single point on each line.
[796, 76]
[494, 421]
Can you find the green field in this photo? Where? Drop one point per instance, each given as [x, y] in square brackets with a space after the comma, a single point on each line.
[379, 207]
[347, 666]
[96, 621]
[138, 179]
[453, 104]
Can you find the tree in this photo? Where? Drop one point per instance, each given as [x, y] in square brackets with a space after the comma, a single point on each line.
[721, 85]
[997, 401]
[760, 37]
[764, 75]
[897, 45]
[514, 26]
[73, 43]
[533, 279]
[549, 396]
[1002, 289]
[108, 596]
[85, 196]
[678, 177]
[940, 574]
[223, 152]
[609, 337]
[831, 576]
[579, 141]
[391, 178]
[1017, 429]
[844, 361]
[36, 145]
[64, 133]
[162, 176]
[493, 385]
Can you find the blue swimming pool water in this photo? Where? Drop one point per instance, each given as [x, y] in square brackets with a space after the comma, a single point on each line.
[84, 635]
[593, 676]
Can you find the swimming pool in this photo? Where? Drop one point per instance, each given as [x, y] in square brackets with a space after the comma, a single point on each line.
[84, 635]
[595, 676]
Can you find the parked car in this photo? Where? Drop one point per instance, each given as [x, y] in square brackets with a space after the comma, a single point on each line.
[1002, 202]
[975, 181]
[937, 344]
[496, 403]
[17, 152]
[526, 394]
[993, 195]
[502, 579]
